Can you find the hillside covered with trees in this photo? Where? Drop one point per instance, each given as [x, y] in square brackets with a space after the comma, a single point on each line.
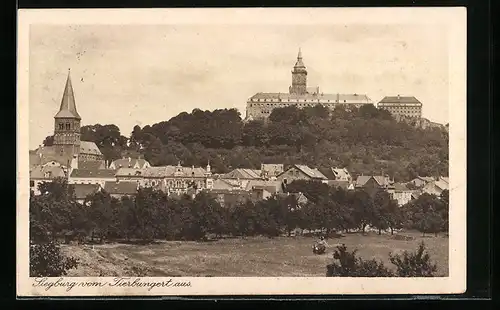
[365, 141]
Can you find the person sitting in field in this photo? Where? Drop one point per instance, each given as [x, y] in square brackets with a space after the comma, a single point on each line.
[322, 242]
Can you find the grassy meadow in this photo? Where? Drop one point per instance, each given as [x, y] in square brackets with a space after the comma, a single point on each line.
[250, 257]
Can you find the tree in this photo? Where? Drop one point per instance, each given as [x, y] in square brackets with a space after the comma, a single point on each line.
[417, 264]
[46, 260]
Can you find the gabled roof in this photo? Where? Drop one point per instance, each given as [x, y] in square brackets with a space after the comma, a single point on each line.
[241, 173]
[380, 180]
[310, 172]
[68, 105]
[87, 147]
[399, 99]
[83, 190]
[328, 173]
[96, 173]
[120, 188]
[47, 172]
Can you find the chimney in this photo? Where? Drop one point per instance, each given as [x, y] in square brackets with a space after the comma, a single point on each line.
[399, 97]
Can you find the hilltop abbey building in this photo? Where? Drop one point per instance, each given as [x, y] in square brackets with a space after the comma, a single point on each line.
[260, 105]
[68, 149]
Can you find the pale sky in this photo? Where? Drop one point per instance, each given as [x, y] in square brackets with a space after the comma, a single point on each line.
[144, 74]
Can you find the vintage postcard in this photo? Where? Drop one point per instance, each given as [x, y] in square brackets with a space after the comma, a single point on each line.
[241, 151]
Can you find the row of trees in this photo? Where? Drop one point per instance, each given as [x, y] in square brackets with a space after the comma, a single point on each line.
[363, 140]
[153, 215]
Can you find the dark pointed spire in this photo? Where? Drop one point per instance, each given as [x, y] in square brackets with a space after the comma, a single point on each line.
[68, 105]
[299, 63]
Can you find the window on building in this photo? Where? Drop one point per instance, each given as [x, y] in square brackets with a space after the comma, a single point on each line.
[61, 126]
[68, 126]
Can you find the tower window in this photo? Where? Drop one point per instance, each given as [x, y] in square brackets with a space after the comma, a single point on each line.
[61, 126]
[68, 126]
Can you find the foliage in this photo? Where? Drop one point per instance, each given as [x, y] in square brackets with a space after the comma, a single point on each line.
[46, 260]
[347, 264]
[416, 264]
[365, 140]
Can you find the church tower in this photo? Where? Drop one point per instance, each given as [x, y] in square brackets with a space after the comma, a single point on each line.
[67, 125]
[299, 77]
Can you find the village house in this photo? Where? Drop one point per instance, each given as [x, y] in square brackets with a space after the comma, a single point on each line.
[337, 177]
[437, 186]
[83, 190]
[372, 184]
[97, 176]
[419, 181]
[119, 189]
[134, 163]
[301, 172]
[401, 193]
[177, 179]
[45, 173]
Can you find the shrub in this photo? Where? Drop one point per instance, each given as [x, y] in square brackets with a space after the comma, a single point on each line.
[46, 260]
[417, 264]
[351, 266]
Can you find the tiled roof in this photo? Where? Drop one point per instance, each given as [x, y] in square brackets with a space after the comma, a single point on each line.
[120, 188]
[270, 186]
[381, 180]
[441, 184]
[83, 190]
[97, 173]
[87, 147]
[128, 172]
[242, 173]
[47, 172]
[399, 99]
[328, 173]
[362, 179]
[173, 171]
[312, 173]
[90, 165]
[400, 187]
[334, 98]
[68, 106]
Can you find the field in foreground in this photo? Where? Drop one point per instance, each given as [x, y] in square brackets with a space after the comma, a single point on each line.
[261, 256]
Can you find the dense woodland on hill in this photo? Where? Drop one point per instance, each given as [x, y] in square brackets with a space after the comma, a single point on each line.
[365, 141]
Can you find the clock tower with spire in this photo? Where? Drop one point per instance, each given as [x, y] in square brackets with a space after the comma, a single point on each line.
[299, 77]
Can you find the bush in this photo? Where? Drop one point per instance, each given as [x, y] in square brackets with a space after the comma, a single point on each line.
[417, 264]
[351, 266]
[46, 260]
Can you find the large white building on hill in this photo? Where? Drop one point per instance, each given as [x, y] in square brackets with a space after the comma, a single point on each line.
[260, 105]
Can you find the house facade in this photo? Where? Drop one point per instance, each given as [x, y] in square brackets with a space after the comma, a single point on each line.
[301, 172]
[45, 173]
[119, 189]
[177, 179]
[98, 176]
[373, 184]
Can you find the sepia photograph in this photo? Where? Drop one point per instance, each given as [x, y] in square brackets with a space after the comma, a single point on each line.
[172, 152]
